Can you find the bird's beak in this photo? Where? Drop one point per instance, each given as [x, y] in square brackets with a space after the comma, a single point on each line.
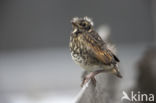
[73, 23]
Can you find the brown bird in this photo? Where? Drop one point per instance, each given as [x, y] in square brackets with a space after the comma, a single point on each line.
[89, 51]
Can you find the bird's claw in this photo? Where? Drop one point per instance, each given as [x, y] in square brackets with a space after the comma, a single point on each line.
[87, 78]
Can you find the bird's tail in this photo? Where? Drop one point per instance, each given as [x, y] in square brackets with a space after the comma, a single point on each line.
[116, 72]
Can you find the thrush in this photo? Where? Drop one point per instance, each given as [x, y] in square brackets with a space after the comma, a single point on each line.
[89, 50]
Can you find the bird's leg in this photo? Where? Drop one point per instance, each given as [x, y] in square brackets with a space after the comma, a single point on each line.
[91, 76]
[88, 77]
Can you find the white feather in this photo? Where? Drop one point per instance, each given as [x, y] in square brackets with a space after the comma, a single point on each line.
[89, 20]
[112, 47]
[75, 19]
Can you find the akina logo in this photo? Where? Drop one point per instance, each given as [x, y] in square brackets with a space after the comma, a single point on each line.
[138, 96]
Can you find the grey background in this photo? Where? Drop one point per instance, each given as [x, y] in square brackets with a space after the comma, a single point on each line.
[35, 63]
[46, 23]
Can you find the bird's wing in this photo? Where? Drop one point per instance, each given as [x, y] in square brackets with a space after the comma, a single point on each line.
[98, 48]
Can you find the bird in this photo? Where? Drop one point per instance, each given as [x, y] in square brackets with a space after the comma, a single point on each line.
[89, 51]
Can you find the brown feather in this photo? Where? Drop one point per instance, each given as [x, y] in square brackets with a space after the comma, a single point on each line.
[100, 52]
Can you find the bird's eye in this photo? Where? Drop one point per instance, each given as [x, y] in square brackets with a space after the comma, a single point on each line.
[88, 28]
[83, 24]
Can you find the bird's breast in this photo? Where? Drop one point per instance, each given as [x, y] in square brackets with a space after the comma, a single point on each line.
[78, 50]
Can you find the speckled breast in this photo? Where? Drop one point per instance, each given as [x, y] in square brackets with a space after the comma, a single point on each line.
[81, 55]
[78, 51]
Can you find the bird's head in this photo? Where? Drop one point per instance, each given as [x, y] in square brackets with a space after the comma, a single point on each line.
[82, 24]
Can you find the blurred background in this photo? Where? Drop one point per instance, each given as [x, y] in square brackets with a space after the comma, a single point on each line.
[35, 62]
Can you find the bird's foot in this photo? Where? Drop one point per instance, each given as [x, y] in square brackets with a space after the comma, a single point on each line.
[90, 76]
